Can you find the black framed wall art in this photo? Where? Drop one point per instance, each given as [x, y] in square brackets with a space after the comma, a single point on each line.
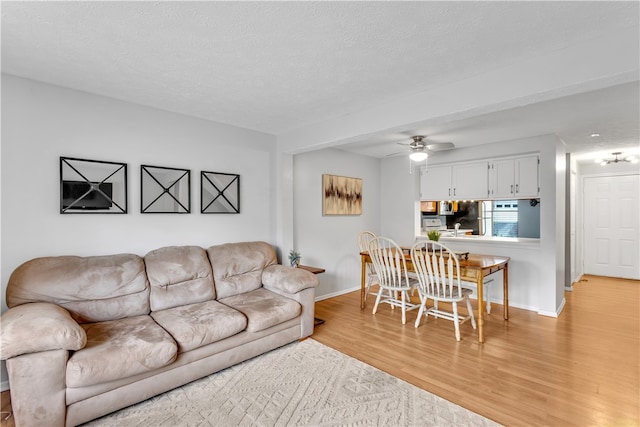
[92, 186]
[219, 193]
[165, 190]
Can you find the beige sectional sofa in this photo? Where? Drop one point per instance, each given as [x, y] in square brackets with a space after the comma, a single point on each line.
[85, 336]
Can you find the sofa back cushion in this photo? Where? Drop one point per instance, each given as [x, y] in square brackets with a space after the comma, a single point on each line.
[92, 289]
[237, 267]
[179, 275]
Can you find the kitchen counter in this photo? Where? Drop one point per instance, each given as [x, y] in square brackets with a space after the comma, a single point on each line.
[450, 232]
[466, 238]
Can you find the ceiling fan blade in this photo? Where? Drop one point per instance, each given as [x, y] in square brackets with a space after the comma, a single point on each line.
[420, 144]
[395, 154]
[440, 146]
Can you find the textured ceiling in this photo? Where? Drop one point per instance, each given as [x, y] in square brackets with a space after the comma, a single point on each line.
[612, 113]
[279, 66]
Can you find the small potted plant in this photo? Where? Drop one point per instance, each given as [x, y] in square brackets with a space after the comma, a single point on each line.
[294, 258]
[434, 235]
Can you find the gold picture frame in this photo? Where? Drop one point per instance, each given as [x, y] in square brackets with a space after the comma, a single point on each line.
[341, 195]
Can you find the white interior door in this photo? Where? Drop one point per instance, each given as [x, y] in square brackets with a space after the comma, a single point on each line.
[612, 224]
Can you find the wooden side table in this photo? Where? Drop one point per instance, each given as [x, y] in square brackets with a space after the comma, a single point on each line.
[315, 270]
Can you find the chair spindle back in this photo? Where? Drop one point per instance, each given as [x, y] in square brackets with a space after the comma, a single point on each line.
[437, 268]
[389, 263]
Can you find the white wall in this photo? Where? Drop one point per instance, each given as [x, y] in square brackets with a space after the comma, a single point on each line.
[330, 242]
[399, 199]
[555, 244]
[41, 122]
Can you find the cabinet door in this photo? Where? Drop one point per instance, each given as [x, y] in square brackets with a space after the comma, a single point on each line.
[502, 175]
[526, 180]
[470, 181]
[435, 183]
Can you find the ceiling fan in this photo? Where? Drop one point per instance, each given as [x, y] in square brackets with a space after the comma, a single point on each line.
[419, 147]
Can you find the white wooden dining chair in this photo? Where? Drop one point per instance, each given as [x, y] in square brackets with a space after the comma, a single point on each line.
[391, 268]
[364, 237]
[438, 273]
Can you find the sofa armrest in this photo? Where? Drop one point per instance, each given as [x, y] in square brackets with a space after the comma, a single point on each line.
[39, 326]
[288, 279]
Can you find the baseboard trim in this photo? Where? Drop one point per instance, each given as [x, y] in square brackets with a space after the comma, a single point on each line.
[4, 385]
[337, 293]
[521, 306]
[556, 313]
[493, 300]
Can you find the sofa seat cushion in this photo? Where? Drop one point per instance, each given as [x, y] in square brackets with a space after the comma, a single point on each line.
[120, 348]
[195, 325]
[263, 308]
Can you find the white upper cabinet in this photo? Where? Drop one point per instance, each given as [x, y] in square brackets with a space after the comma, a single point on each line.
[435, 183]
[455, 182]
[470, 181]
[514, 178]
[501, 178]
[527, 180]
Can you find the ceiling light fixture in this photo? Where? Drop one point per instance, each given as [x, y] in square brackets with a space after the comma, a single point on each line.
[418, 149]
[418, 156]
[629, 159]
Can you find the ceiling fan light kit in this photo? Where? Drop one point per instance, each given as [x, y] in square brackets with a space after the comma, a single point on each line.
[418, 149]
[418, 156]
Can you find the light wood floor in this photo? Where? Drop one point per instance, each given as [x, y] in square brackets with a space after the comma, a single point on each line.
[581, 369]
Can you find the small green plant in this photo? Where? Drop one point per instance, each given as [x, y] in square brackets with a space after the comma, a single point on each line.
[434, 235]
[294, 258]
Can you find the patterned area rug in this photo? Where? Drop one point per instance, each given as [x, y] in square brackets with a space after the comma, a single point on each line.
[301, 384]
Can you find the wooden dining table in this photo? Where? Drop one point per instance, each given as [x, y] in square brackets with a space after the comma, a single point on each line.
[473, 268]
